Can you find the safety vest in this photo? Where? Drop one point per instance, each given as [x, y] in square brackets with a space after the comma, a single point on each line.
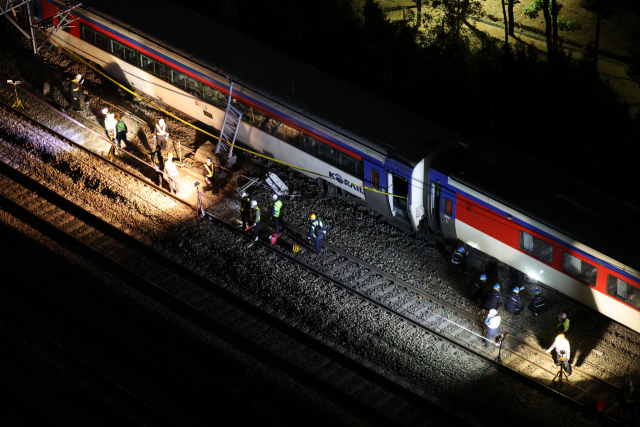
[161, 131]
[255, 214]
[210, 170]
[493, 322]
[314, 224]
[120, 126]
[244, 204]
[564, 323]
[110, 121]
[77, 85]
[629, 397]
[277, 205]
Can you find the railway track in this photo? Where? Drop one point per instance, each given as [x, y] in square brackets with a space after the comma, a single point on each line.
[413, 311]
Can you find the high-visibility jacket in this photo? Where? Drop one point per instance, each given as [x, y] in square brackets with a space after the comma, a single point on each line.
[245, 204]
[74, 88]
[110, 121]
[210, 169]
[121, 126]
[492, 322]
[564, 324]
[561, 345]
[628, 394]
[314, 226]
[275, 210]
[161, 130]
[255, 215]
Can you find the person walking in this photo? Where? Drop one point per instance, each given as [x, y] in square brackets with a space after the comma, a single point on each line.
[492, 300]
[538, 304]
[493, 327]
[458, 260]
[563, 326]
[317, 231]
[476, 289]
[160, 134]
[513, 304]
[74, 94]
[245, 210]
[172, 172]
[208, 171]
[276, 214]
[563, 351]
[158, 165]
[255, 218]
[121, 134]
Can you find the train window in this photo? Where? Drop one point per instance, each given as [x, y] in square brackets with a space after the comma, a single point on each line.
[186, 83]
[623, 291]
[579, 269]
[375, 179]
[154, 67]
[123, 52]
[536, 247]
[209, 94]
[94, 37]
[447, 206]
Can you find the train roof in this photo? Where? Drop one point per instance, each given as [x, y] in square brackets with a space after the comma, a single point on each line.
[350, 111]
[588, 215]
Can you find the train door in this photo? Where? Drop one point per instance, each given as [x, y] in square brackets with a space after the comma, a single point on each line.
[398, 186]
[376, 177]
[442, 210]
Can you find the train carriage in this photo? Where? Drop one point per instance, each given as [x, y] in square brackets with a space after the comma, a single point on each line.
[554, 229]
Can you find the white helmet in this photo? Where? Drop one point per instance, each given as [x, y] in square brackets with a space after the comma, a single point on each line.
[161, 122]
[105, 110]
[274, 197]
[244, 194]
[254, 203]
[78, 76]
[493, 312]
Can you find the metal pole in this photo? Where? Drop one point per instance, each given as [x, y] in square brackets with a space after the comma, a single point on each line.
[33, 35]
[180, 151]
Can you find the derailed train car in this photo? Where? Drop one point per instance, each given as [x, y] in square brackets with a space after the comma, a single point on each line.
[552, 228]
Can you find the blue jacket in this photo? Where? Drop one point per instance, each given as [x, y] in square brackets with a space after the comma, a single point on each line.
[538, 304]
[312, 228]
[492, 299]
[513, 304]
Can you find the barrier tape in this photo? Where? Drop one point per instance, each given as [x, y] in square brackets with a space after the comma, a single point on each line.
[207, 133]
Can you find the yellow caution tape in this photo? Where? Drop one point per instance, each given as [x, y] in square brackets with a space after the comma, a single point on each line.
[204, 131]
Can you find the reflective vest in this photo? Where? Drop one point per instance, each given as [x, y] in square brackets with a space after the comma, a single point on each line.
[110, 121]
[457, 257]
[75, 87]
[629, 397]
[255, 214]
[277, 205]
[161, 131]
[120, 126]
[210, 170]
[244, 204]
[314, 225]
[564, 323]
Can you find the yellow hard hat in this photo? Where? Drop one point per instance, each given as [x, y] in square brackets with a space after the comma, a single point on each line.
[312, 217]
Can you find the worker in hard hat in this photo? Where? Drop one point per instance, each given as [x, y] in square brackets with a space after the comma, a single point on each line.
[513, 304]
[121, 134]
[628, 400]
[276, 214]
[563, 352]
[493, 327]
[161, 133]
[208, 171]
[110, 123]
[476, 289]
[563, 325]
[173, 174]
[255, 218]
[538, 304]
[317, 231]
[245, 210]
[458, 260]
[492, 300]
[74, 94]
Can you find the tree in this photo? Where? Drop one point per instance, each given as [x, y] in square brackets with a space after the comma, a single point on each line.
[604, 9]
[550, 10]
[506, 24]
[512, 20]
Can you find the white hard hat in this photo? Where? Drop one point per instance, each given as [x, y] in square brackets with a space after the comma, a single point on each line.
[244, 194]
[493, 312]
[254, 203]
[78, 76]
[105, 110]
[161, 121]
[274, 197]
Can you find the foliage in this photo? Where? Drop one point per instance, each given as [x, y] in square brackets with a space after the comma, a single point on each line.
[533, 11]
